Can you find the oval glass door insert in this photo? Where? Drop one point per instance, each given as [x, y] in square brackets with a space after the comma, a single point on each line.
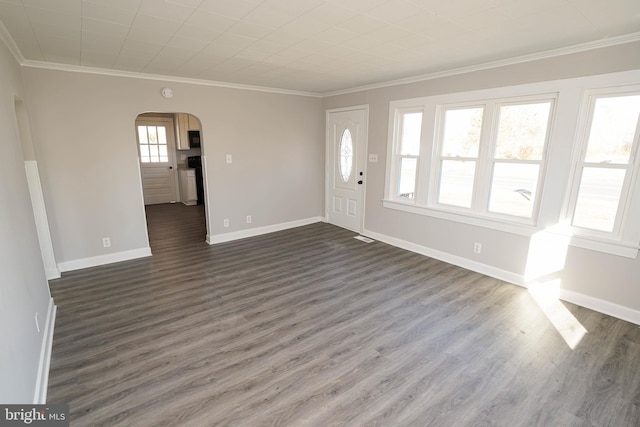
[346, 155]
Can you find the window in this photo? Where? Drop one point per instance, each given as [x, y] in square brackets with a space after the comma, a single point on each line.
[459, 155]
[152, 141]
[607, 162]
[522, 132]
[481, 158]
[346, 156]
[407, 153]
[489, 157]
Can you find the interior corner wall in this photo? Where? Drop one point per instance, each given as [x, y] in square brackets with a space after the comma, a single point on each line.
[23, 289]
[84, 126]
[607, 280]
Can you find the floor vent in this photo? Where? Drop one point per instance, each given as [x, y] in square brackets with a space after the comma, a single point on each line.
[364, 239]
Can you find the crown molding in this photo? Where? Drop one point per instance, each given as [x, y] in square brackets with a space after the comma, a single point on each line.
[164, 78]
[10, 43]
[597, 44]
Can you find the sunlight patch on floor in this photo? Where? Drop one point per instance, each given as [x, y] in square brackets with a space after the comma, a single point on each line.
[546, 295]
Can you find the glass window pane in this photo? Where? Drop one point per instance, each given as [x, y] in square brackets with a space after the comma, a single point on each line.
[153, 135]
[598, 198]
[522, 131]
[164, 159]
[153, 151]
[142, 135]
[411, 130]
[144, 151]
[613, 129]
[456, 183]
[162, 135]
[461, 135]
[145, 159]
[163, 150]
[346, 156]
[513, 189]
[407, 184]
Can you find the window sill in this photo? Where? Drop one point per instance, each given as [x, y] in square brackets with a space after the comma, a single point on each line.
[613, 247]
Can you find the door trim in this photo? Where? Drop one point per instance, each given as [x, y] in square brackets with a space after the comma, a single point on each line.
[328, 161]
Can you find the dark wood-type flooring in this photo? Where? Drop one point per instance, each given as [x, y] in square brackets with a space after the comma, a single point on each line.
[310, 326]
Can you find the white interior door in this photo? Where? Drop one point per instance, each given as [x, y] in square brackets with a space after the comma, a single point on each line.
[156, 147]
[346, 162]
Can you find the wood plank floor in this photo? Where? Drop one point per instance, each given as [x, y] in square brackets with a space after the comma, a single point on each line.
[311, 327]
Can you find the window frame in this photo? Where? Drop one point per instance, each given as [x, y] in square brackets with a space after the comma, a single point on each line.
[437, 158]
[150, 157]
[396, 155]
[620, 232]
[560, 160]
[485, 161]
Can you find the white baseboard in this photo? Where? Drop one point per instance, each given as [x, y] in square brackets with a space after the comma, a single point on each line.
[251, 232]
[592, 303]
[478, 267]
[601, 306]
[104, 259]
[42, 379]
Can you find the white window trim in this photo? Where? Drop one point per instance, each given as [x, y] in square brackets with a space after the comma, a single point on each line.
[393, 167]
[552, 214]
[622, 230]
[485, 160]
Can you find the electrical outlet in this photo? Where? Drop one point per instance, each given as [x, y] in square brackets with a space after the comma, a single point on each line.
[477, 247]
[229, 158]
[226, 222]
[37, 323]
[248, 219]
[106, 242]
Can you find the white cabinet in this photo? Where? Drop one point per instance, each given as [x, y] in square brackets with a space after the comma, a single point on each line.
[194, 123]
[188, 189]
[182, 131]
[183, 124]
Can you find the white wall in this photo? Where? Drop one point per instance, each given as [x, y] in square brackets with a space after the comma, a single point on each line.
[23, 287]
[84, 124]
[603, 281]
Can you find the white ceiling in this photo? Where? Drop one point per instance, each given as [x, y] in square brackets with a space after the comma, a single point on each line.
[306, 45]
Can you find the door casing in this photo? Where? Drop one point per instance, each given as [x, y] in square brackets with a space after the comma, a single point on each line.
[329, 159]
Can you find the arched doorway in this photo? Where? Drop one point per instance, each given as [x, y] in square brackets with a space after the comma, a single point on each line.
[170, 148]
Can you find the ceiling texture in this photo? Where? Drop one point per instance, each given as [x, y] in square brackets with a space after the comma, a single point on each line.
[318, 46]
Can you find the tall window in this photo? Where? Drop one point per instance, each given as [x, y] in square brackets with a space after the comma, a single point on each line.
[519, 145]
[152, 141]
[407, 153]
[489, 157]
[607, 162]
[459, 155]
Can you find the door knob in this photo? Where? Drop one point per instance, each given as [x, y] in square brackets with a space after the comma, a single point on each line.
[170, 167]
[360, 182]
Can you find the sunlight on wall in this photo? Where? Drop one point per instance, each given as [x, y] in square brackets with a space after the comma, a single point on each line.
[546, 295]
[547, 257]
[547, 253]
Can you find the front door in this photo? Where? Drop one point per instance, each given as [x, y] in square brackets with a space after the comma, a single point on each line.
[156, 147]
[346, 151]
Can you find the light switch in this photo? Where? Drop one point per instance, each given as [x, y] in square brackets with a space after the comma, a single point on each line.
[373, 158]
[229, 159]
